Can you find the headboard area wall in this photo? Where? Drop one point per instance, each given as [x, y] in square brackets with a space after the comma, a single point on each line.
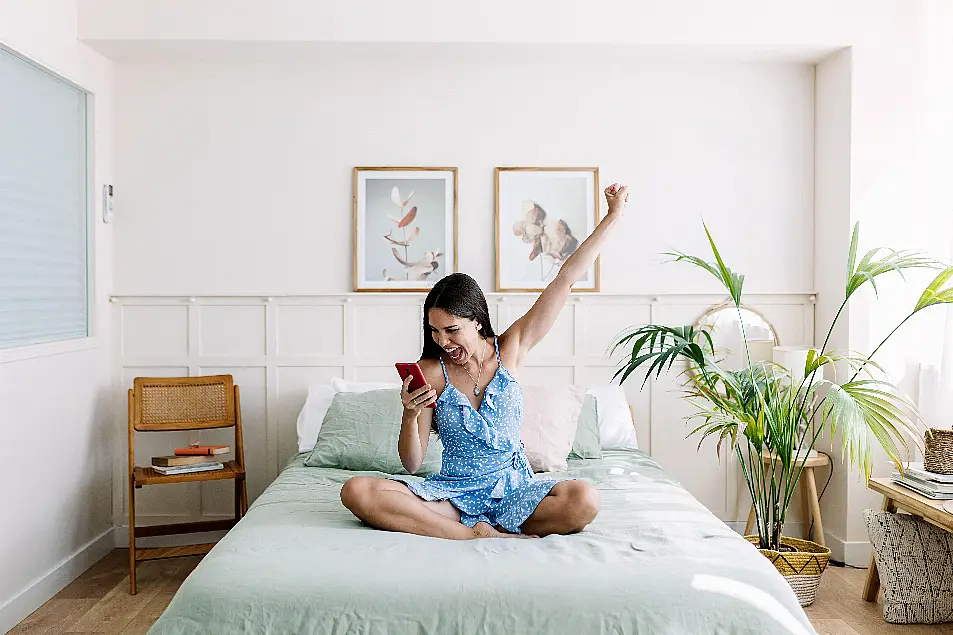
[275, 347]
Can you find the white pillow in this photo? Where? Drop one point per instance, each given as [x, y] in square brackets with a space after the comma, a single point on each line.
[344, 385]
[550, 418]
[616, 430]
[319, 400]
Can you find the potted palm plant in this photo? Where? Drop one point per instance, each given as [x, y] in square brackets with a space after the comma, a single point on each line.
[764, 408]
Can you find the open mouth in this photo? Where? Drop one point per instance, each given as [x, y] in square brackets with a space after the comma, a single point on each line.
[456, 354]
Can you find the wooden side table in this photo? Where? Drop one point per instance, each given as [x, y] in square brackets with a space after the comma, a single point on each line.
[811, 505]
[898, 497]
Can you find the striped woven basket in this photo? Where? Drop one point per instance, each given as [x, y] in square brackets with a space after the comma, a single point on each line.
[802, 568]
[938, 451]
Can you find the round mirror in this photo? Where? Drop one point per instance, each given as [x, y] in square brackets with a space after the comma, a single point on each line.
[724, 322]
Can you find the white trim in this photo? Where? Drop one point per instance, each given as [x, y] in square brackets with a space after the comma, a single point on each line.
[20, 353]
[574, 359]
[855, 554]
[35, 595]
[415, 297]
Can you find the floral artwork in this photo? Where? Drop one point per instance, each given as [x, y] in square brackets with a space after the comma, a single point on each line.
[552, 240]
[405, 227]
[543, 215]
[409, 270]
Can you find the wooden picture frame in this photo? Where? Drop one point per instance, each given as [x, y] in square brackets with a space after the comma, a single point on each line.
[542, 215]
[405, 227]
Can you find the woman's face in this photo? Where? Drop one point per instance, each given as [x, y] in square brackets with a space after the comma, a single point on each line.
[458, 337]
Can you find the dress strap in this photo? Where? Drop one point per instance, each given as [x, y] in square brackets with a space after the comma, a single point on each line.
[446, 377]
[496, 345]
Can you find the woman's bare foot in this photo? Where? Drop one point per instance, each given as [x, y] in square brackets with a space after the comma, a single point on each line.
[486, 530]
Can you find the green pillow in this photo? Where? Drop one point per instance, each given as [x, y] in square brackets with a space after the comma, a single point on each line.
[587, 444]
[360, 432]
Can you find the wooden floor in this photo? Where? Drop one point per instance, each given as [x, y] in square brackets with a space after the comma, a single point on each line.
[99, 602]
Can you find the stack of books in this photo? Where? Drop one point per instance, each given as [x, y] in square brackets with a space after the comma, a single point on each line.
[194, 458]
[930, 484]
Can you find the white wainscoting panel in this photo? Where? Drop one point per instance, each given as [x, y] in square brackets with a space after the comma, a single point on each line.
[276, 347]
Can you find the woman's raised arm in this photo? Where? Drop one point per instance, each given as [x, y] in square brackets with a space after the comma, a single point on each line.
[527, 331]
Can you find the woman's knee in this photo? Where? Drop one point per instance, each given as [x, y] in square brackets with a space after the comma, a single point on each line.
[584, 502]
[357, 491]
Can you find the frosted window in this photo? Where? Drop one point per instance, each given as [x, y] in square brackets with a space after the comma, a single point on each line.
[43, 217]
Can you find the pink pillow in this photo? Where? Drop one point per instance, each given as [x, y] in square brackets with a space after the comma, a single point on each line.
[550, 417]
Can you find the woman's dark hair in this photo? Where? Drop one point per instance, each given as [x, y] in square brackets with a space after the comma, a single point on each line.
[458, 294]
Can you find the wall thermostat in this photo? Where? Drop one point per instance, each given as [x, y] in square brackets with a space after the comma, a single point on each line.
[107, 203]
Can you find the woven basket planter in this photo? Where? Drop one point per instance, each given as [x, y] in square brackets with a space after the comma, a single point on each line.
[938, 451]
[802, 568]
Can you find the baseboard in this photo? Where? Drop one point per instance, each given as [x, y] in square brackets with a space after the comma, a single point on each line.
[16, 609]
[855, 554]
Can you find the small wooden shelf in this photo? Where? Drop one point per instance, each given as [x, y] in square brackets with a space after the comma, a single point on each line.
[148, 476]
[177, 404]
[163, 553]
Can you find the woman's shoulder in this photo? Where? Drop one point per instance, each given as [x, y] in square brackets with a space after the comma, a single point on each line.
[433, 372]
[508, 348]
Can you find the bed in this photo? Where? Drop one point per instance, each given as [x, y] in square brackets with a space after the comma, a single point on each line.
[655, 561]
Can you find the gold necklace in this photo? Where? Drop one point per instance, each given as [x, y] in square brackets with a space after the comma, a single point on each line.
[476, 382]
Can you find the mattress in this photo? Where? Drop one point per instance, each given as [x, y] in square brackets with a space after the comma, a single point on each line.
[655, 561]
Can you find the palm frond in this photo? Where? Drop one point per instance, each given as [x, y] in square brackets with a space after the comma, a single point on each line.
[874, 264]
[866, 408]
[934, 293]
[661, 344]
[854, 360]
[732, 281]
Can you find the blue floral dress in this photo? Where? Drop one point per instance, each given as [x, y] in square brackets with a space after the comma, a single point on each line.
[484, 472]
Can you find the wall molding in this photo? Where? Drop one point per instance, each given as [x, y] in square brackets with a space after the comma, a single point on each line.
[277, 345]
[17, 608]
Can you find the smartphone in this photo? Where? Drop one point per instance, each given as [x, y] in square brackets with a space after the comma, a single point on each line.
[417, 379]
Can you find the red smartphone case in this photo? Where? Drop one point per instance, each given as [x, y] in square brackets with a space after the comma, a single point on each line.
[417, 376]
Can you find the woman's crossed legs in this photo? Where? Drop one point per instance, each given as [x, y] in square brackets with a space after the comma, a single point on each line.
[390, 505]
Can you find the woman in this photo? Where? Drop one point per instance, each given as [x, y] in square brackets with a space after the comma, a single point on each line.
[485, 487]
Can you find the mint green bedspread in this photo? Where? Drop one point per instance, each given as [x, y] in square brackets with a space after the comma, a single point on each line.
[655, 561]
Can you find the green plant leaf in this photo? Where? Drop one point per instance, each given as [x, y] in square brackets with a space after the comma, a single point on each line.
[872, 265]
[732, 281]
[934, 293]
[852, 255]
[866, 408]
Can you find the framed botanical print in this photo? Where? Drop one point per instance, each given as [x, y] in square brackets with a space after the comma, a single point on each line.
[542, 216]
[405, 227]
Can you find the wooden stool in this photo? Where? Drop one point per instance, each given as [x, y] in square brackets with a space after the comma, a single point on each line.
[811, 506]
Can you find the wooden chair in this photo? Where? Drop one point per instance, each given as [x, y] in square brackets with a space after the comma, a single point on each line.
[162, 404]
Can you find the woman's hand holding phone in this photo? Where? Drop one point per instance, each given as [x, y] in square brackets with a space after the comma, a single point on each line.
[422, 397]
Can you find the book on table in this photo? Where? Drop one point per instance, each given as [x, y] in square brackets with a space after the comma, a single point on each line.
[185, 459]
[201, 450]
[189, 469]
[929, 484]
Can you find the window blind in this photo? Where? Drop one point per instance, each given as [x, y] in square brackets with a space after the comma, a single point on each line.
[43, 217]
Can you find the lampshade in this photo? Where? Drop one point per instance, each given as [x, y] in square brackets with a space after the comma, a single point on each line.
[794, 358]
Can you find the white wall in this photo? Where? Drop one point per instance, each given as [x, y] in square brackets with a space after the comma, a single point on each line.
[55, 409]
[888, 41]
[236, 178]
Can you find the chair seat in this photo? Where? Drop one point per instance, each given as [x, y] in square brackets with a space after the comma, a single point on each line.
[149, 476]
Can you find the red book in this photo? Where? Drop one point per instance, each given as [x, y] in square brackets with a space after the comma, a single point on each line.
[202, 449]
